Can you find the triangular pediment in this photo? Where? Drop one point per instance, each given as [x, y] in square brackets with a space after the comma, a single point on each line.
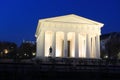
[72, 19]
[67, 20]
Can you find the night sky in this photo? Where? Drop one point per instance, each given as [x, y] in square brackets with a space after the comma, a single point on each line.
[19, 18]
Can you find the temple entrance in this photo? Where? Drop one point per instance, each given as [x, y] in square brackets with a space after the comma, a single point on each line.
[68, 46]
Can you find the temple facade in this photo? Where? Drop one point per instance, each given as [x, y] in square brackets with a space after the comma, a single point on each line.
[68, 36]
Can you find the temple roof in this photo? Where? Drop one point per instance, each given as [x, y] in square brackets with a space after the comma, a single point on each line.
[72, 18]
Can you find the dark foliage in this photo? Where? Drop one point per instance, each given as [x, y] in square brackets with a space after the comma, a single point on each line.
[112, 45]
[26, 50]
[8, 49]
[12, 51]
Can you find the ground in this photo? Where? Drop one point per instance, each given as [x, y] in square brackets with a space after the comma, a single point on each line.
[44, 70]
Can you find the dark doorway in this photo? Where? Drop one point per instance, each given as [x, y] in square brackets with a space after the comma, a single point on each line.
[62, 47]
[68, 46]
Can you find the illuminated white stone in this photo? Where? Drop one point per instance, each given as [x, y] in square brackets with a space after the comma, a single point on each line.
[69, 36]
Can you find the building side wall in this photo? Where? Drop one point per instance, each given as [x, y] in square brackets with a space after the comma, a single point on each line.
[40, 45]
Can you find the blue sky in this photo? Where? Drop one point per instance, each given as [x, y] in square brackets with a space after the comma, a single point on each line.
[19, 18]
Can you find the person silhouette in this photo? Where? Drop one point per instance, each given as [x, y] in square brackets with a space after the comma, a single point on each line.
[50, 51]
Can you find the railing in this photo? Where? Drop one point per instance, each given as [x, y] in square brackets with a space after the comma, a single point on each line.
[63, 64]
[79, 61]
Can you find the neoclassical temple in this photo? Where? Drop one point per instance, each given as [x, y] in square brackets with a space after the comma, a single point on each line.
[68, 36]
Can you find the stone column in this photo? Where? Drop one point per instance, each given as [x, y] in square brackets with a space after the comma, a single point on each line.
[65, 52]
[98, 46]
[76, 45]
[41, 45]
[83, 48]
[80, 46]
[93, 48]
[54, 44]
[88, 46]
